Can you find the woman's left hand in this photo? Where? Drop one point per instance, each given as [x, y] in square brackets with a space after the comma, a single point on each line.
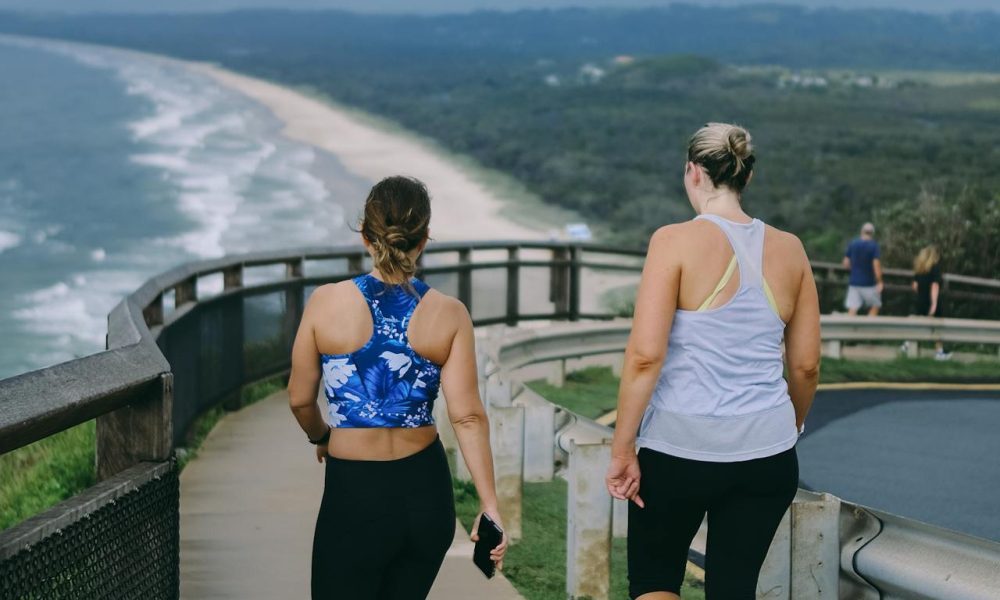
[321, 452]
[623, 478]
[496, 554]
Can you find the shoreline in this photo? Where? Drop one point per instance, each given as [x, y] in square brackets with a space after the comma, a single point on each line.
[372, 147]
[463, 208]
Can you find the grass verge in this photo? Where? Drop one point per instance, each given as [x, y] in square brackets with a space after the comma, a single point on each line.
[37, 476]
[536, 566]
[593, 391]
[40, 475]
[590, 392]
[909, 370]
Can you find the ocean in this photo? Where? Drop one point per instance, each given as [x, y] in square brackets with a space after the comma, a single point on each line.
[116, 166]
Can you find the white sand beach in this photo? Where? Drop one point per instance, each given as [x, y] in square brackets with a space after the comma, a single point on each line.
[463, 208]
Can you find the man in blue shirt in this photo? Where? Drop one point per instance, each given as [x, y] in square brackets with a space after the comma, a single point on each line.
[865, 283]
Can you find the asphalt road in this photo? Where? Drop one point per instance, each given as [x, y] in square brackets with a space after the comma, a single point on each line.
[933, 456]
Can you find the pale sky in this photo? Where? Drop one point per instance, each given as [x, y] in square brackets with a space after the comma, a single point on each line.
[433, 6]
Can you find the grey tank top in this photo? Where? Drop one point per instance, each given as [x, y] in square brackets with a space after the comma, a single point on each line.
[721, 395]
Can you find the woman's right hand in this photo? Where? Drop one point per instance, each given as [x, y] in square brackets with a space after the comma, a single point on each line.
[623, 478]
[496, 554]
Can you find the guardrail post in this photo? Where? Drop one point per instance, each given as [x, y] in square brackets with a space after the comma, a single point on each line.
[465, 278]
[539, 427]
[816, 548]
[355, 264]
[618, 365]
[507, 435]
[588, 523]
[912, 349]
[186, 291]
[576, 254]
[232, 279]
[557, 373]
[775, 579]
[141, 431]
[294, 302]
[498, 392]
[619, 518]
[153, 314]
[559, 281]
[513, 286]
[833, 349]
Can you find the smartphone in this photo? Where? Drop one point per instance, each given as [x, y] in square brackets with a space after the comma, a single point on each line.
[490, 536]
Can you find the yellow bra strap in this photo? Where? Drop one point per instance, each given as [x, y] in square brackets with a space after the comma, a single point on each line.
[722, 284]
[725, 279]
[771, 300]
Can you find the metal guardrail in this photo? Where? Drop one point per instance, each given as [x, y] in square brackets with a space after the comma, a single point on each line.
[825, 548]
[191, 338]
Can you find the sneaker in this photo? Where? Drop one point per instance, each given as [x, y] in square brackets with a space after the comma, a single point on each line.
[942, 356]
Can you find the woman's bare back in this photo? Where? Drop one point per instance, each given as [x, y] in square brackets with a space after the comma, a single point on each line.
[344, 325]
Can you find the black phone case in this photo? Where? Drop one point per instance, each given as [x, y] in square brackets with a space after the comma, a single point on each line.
[490, 537]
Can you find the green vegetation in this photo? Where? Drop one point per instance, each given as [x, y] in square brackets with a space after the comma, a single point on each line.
[537, 565]
[40, 475]
[921, 370]
[589, 392]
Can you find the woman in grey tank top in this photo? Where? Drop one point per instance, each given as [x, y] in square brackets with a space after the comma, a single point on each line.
[703, 395]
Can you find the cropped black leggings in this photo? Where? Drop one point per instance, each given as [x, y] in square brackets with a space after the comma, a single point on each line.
[383, 527]
[745, 501]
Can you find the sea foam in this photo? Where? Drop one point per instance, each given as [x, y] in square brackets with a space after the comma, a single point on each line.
[236, 182]
[8, 240]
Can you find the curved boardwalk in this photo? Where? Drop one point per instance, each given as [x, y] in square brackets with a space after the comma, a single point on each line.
[248, 507]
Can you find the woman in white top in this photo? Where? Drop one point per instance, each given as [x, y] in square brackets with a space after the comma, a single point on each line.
[703, 395]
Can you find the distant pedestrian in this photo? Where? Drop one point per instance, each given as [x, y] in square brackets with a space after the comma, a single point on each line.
[927, 289]
[865, 284]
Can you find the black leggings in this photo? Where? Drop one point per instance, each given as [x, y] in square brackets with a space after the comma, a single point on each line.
[384, 527]
[745, 501]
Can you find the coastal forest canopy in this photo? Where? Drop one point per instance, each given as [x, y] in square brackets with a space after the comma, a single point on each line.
[857, 115]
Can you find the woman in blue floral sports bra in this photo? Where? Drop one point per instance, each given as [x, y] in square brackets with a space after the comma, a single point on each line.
[383, 345]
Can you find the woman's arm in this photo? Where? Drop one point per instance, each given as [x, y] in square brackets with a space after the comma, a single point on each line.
[655, 305]
[460, 385]
[802, 344]
[935, 291]
[303, 383]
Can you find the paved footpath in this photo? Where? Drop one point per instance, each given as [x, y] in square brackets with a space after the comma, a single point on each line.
[248, 508]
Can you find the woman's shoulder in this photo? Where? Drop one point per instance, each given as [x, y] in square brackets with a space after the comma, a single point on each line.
[674, 233]
[444, 303]
[784, 238]
[786, 247]
[333, 293]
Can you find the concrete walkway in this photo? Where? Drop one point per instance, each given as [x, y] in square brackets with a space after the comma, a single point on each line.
[248, 507]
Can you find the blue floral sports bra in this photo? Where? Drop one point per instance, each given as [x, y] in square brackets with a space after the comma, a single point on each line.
[385, 383]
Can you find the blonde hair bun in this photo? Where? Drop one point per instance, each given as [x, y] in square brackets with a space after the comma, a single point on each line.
[739, 142]
[725, 151]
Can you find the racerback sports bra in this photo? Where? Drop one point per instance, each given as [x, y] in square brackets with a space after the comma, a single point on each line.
[385, 383]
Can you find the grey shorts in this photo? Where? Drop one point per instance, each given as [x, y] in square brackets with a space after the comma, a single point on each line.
[862, 296]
